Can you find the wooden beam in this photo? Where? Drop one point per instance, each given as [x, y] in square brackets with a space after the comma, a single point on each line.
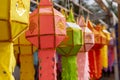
[118, 38]
[102, 5]
[117, 1]
[33, 1]
[57, 6]
[64, 8]
[80, 6]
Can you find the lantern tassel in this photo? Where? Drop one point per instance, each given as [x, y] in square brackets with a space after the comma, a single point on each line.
[83, 66]
[69, 68]
[47, 64]
[7, 61]
[26, 66]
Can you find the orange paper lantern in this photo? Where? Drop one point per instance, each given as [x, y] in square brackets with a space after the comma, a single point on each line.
[94, 54]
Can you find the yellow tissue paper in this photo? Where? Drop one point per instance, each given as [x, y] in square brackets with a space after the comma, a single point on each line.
[7, 61]
[25, 49]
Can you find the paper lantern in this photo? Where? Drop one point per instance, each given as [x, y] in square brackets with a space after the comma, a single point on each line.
[111, 53]
[105, 55]
[14, 19]
[82, 57]
[95, 63]
[103, 52]
[87, 35]
[46, 31]
[25, 49]
[7, 61]
[69, 48]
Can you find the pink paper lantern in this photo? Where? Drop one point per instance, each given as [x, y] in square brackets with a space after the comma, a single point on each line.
[82, 57]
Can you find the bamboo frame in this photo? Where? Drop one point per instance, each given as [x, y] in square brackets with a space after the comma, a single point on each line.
[9, 20]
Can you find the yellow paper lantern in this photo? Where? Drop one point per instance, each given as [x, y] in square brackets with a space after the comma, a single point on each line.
[14, 19]
[7, 61]
[105, 49]
[25, 49]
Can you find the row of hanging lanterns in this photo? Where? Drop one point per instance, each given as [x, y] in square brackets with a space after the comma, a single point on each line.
[83, 47]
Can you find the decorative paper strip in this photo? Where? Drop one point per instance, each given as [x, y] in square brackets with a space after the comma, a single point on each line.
[69, 68]
[83, 67]
[99, 67]
[107, 34]
[25, 49]
[47, 64]
[87, 70]
[7, 61]
[111, 53]
[27, 71]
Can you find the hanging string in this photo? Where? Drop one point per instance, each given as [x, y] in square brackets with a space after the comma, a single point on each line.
[82, 11]
[68, 4]
[65, 3]
[37, 3]
[87, 19]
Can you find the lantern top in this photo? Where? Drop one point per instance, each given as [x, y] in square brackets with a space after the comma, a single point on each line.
[45, 3]
[104, 29]
[90, 26]
[99, 28]
[57, 13]
[71, 18]
[72, 25]
[81, 22]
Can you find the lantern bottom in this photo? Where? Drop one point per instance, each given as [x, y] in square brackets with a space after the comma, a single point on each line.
[47, 64]
[7, 61]
[27, 70]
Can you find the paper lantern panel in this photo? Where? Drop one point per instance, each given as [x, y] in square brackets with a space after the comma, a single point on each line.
[47, 31]
[14, 18]
[22, 46]
[103, 37]
[73, 41]
[88, 40]
[97, 36]
[88, 35]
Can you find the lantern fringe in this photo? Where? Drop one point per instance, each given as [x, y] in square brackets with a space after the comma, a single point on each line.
[69, 68]
[104, 55]
[25, 61]
[7, 61]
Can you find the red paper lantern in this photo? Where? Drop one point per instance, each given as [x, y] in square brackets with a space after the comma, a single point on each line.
[47, 29]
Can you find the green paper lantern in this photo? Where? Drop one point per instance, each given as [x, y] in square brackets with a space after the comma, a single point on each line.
[73, 41]
[69, 49]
